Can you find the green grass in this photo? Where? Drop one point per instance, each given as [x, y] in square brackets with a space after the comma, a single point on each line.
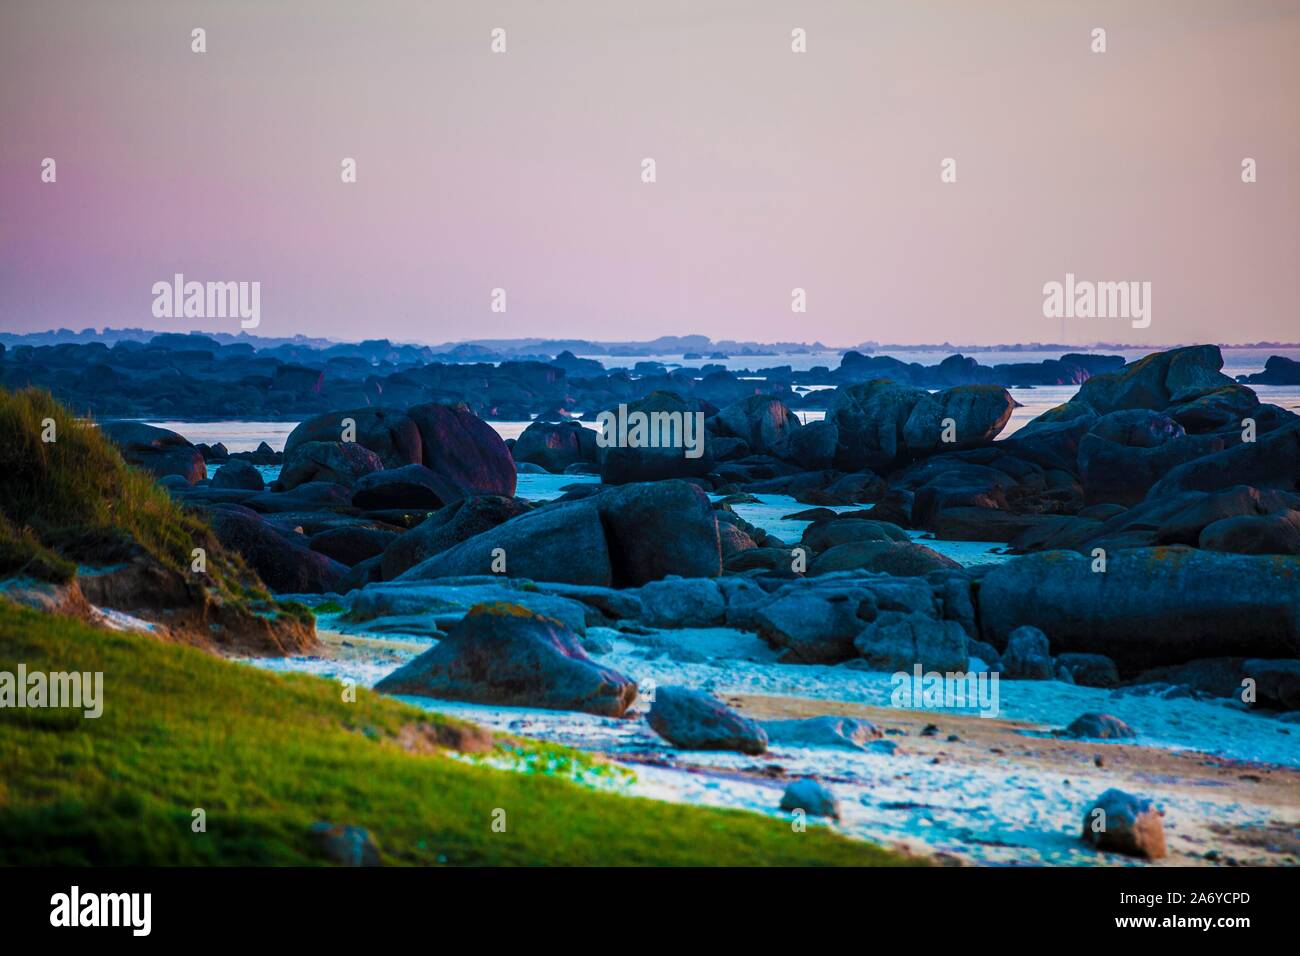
[266, 755]
[75, 496]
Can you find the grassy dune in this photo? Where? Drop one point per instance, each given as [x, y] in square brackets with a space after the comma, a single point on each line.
[266, 755]
[73, 502]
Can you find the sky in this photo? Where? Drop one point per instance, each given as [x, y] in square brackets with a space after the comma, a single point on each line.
[774, 170]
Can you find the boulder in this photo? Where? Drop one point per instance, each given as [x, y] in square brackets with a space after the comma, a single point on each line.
[869, 420]
[1027, 656]
[898, 642]
[1089, 670]
[1223, 408]
[655, 529]
[1096, 726]
[760, 421]
[352, 545]
[1276, 533]
[1271, 461]
[336, 462]
[159, 451]
[625, 536]
[815, 626]
[440, 605]
[825, 534]
[505, 654]
[847, 733]
[1278, 370]
[310, 497]
[812, 446]
[412, 487]
[1151, 606]
[899, 558]
[446, 528]
[682, 602]
[977, 414]
[1120, 822]
[1156, 381]
[564, 543]
[732, 540]
[1123, 474]
[659, 451]
[555, 446]
[1277, 683]
[693, 720]
[812, 797]
[1137, 428]
[283, 565]
[239, 475]
[464, 451]
[388, 432]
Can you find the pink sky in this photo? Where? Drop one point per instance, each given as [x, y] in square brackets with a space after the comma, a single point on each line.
[775, 170]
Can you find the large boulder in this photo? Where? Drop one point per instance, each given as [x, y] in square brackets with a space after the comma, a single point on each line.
[625, 536]
[505, 654]
[388, 432]
[411, 487]
[661, 449]
[563, 543]
[655, 529]
[693, 720]
[1156, 381]
[464, 451]
[335, 462]
[446, 528]
[556, 445]
[1276, 533]
[977, 414]
[286, 566]
[869, 419]
[1278, 370]
[811, 447]
[763, 423]
[1123, 474]
[1223, 408]
[899, 642]
[815, 625]
[238, 475]
[1271, 461]
[159, 451]
[1150, 606]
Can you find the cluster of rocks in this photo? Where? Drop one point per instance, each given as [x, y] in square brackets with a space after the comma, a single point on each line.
[1157, 514]
[196, 376]
[386, 503]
